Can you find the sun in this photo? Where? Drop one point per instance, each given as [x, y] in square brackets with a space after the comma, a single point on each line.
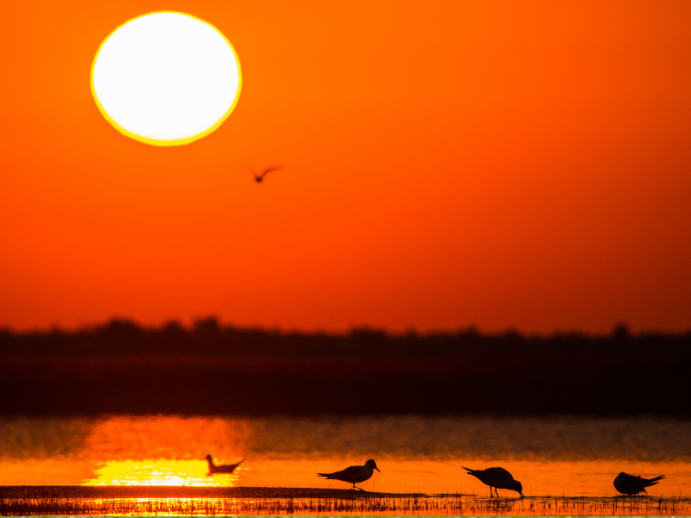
[166, 78]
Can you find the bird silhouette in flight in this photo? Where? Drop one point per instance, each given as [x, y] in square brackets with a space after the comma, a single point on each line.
[259, 178]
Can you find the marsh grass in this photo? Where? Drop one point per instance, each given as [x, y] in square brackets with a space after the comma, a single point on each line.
[167, 500]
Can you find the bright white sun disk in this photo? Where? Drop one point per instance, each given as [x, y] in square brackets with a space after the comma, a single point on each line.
[166, 78]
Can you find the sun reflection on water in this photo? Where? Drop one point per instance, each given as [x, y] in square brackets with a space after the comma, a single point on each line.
[158, 472]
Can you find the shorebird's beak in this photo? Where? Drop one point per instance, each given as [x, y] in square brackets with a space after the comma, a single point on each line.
[522, 495]
[377, 469]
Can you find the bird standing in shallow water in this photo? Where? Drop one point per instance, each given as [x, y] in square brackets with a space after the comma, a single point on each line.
[259, 178]
[629, 485]
[496, 478]
[353, 474]
[221, 468]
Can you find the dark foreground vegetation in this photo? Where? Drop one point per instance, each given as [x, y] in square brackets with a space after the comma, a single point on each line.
[74, 500]
[208, 369]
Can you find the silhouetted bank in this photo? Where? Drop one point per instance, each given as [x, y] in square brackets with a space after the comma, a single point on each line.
[209, 369]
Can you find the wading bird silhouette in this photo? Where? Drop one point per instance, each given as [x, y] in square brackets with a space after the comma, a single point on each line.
[353, 474]
[629, 485]
[496, 478]
[221, 468]
[259, 178]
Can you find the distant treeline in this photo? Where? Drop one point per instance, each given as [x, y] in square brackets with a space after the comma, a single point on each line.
[206, 369]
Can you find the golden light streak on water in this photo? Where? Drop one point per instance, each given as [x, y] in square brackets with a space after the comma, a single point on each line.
[158, 472]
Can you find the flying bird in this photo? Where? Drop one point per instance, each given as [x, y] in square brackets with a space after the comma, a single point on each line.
[496, 478]
[221, 468]
[259, 178]
[353, 474]
[629, 485]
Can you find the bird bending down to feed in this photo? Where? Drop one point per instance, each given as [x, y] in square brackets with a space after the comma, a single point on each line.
[259, 178]
[353, 474]
[222, 468]
[629, 485]
[496, 478]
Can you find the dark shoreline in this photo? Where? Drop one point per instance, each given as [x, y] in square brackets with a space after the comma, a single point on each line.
[122, 368]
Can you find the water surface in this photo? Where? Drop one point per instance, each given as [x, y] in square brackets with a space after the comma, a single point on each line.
[550, 456]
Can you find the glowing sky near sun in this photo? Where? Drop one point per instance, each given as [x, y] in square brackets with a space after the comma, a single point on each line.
[496, 163]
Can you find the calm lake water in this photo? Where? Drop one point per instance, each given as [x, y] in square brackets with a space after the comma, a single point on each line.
[550, 456]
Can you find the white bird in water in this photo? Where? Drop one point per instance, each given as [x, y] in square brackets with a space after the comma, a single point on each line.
[496, 478]
[259, 178]
[629, 485]
[221, 468]
[353, 474]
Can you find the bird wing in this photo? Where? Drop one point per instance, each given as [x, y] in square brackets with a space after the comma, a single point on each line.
[344, 474]
[269, 169]
[498, 473]
[629, 479]
[626, 483]
[654, 480]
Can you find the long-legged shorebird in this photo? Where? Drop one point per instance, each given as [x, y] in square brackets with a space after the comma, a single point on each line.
[221, 468]
[496, 478]
[259, 178]
[353, 474]
[629, 485]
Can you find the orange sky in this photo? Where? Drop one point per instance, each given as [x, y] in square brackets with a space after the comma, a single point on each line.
[504, 164]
